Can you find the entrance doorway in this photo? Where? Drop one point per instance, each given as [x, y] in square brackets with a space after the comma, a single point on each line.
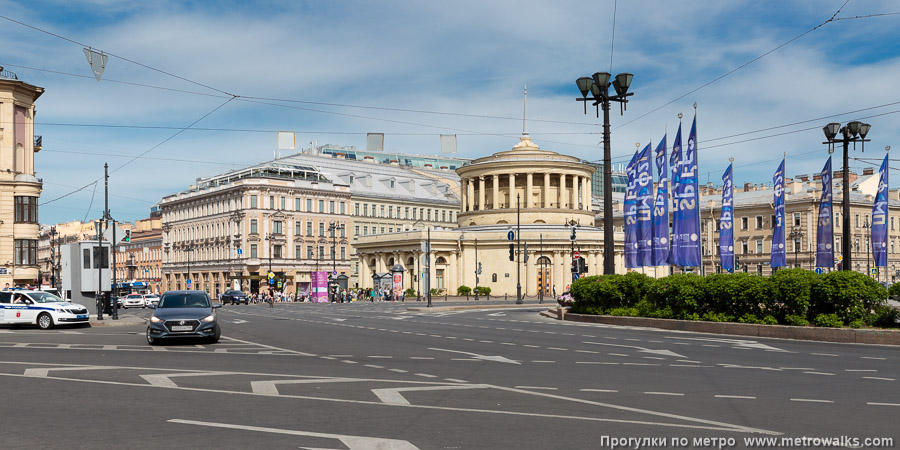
[544, 278]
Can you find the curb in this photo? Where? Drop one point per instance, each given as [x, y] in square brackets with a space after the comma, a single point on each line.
[121, 322]
[838, 335]
[467, 307]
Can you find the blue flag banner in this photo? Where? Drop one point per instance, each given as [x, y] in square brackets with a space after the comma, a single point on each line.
[778, 250]
[660, 254]
[686, 235]
[644, 193]
[726, 222]
[880, 218]
[674, 161]
[631, 215]
[825, 224]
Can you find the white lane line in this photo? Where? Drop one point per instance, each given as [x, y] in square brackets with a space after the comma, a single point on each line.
[507, 343]
[543, 361]
[393, 396]
[688, 361]
[797, 368]
[557, 348]
[598, 362]
[487, 342]
[710, 345]
[598, 390]
[860, 370]
[819, 373]
[347, 361]
[43, 372]
[455, 380]
[639, 364]
[617, 354]
[686, 365]
[879, 378]
[531, 346]
[587, 351]
[665, 393]
[824, 354]
[382, 357]
[872, 357]
[747, 397]
[882, 404]
[809, 400]
[545, 388]
[425, 375]
[270, 387]
[420, 357]
[328, 357]
[373, 366]
[341, 356]
[398, 370]
[653, 357]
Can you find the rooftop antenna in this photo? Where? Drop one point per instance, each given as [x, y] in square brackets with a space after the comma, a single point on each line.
[525, 114]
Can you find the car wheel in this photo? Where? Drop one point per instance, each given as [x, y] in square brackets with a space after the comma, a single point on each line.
[45, 321]
[215, 337]
[150, 339]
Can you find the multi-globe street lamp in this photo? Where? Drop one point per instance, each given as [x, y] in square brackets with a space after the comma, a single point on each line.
[598, 87]
[332, 289]
[854, 131]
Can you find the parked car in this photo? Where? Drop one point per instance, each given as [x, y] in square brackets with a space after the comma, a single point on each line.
[134, 301]
[184, 314]
[151, 300]
[235, 297]
[39, 308]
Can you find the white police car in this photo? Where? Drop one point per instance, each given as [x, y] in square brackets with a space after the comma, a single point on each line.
[39, 308]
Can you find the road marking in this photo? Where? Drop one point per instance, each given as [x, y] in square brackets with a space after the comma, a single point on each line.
[543, 361]
[425, 375]
[872, 357]
[688, 361]
[44, 372]
[665, 393]
[860, 370]
[374, 366]
[382, 357]
[557, 348]
[597, 362]
[686, 365]
[454, 380]
[270, 387]
[879, 378]
[238, 321]
[824, 354]
[399, 370]
[640, 349]
[797, 368]
[349, 441]
[747, 397]
[163, 379]
[809, 400]
[420, 357]
[819, 373]
[639, 364]
[598, 390]
[617, 354]
[882, 404]
[545, 388]
[531, 346]
[393, 396]
[481, 357]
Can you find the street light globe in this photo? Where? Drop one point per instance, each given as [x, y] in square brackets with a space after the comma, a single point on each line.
[584, 85]
[831, 130]
[854, 127]
[864, 130]
[624, 80]
[602, 78]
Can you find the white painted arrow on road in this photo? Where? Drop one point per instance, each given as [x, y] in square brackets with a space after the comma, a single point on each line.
[238, 321]
[496, 358]
[641, 349]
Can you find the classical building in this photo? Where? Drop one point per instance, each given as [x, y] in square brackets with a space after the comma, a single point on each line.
[232, 230]
[19, 188]
[754, 218]
[138, 261]
[542, 194]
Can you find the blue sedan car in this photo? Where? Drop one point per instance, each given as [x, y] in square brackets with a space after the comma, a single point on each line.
[184, 314]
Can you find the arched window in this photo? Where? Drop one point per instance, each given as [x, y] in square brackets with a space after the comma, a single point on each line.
[440, 260]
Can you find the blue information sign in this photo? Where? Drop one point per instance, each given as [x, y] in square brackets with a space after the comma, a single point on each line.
[511, 235]
[819, 270]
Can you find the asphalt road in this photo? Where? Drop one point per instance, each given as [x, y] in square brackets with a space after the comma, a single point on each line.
[375, 375]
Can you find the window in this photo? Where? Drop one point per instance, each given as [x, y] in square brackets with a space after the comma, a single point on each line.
[309, 252]
[744, 223]
[414, 213]
[429, 214]
[333, 254]
[365, 231]
[390, 211]
[26, 252]
[382, 211]
[343, 253]
[321, 205]
[837, 219]
[254, 228]
[797, 219]
[331, 206]
[254, 251]
[773, 220]
[856, 245]
[296, 204]
[390, 229]
[253, 201]
[744, 247]
[443, 216]
[356, 209]
[309, 205]
[406, 213]
[297, 229]
[343, 231]
[276, 251]
[298, 253]
[321, 252]
[392, 184]
[857, 221]
[759, 223]
[321, 229]
[382, 230]
[277, 227]
[892, 224]
[282, 203]
[342, 208]
[26, 209]
[759, 246]
[365, 209]
[271, 202]
[309, 228]
[356, 230]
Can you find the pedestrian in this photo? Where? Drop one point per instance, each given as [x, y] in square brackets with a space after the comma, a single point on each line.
[554, 291]
[6, 288]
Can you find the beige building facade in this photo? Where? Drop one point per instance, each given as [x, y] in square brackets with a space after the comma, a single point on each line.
[20, 190]
[541, 194]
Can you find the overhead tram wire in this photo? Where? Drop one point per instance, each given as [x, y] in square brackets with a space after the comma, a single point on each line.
[736, 68]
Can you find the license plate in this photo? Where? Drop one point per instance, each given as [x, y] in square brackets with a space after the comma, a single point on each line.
[182, 328]
[81, 316]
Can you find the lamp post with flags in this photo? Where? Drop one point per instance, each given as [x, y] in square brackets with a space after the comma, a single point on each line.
[854, 131]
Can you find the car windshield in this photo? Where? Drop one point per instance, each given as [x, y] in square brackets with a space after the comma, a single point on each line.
[234, 292]
[184, 300]
[134, 296]
[44, 297]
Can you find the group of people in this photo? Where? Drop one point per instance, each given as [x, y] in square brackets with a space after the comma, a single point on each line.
[341, 296]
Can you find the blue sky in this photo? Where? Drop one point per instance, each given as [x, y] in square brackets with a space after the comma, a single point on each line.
[335, 70]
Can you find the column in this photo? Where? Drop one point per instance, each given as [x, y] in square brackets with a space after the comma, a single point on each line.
[469, 194]
[590, 193]
[481, 193]
[546, 193]
[451, 282]
[557, 280]
[512, 190]
[531, 275]
[562, 191]
[529, 184]
[585, 202]
[463, 194]
[573, 193]
[496, 191]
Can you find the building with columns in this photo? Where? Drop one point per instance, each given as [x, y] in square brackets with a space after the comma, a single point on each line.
[542, 194]
[19, 188]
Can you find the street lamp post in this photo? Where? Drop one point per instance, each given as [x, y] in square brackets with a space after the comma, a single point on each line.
[852, 132]
[797, 236]
[867, 227]
[332, 290]
[598, 87]
[188, 249]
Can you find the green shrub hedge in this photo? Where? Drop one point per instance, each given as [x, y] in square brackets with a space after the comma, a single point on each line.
[790, 297]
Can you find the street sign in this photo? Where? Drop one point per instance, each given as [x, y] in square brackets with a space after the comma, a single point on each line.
[840, 258]
[511, 235]
[240, 251]
[120, 234]
[279, 285]
[574, 276]
[874, 271]
[189, 284]
[271, 274]
[334, 273]
[576, 255]
[819, 270]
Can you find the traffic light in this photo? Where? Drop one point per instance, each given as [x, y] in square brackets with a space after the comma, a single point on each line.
[512, 252]
[479, 269]
[127, 235]
[575, 265]
[582, 267]
[572, 237]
